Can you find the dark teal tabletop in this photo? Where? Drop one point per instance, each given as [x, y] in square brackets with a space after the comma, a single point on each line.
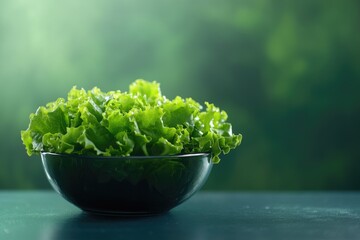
[207, 215]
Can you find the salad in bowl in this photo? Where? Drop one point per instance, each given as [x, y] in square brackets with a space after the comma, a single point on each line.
[128, 153]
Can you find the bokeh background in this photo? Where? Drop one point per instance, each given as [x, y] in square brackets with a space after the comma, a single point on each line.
[286, 72]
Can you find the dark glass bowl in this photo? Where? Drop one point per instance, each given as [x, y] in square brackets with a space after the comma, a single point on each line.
[126, 186]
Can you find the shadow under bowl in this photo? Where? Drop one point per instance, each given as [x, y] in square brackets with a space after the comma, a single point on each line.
[127, 186]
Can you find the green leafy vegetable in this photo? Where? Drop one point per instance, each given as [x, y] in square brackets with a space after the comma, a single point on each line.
[139, 122]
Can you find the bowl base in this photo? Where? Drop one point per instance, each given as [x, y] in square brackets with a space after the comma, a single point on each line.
[122, 213]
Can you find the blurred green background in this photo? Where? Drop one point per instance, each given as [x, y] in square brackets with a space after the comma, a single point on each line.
[286, 72]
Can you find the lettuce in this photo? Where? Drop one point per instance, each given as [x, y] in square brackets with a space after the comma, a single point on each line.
[139, 122]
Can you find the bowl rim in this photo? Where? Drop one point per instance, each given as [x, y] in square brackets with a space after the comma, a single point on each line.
[186, 155]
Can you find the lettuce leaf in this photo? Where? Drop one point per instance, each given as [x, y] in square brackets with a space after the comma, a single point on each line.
[139, 122]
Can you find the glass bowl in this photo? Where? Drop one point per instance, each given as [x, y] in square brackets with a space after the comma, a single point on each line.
[128, 186]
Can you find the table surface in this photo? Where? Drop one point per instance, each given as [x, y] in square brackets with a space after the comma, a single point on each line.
[45, 215]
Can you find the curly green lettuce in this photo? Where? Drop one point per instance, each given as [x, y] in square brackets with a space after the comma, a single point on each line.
[135, 123]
